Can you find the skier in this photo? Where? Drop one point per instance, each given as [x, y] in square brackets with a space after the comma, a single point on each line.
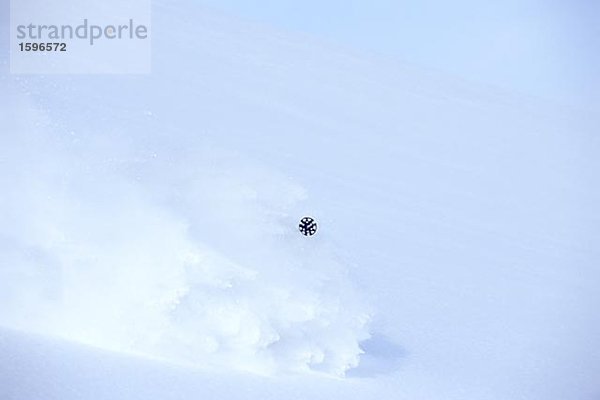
[308, 226]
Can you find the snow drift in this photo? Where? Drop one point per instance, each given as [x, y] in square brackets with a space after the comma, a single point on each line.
[190, 254]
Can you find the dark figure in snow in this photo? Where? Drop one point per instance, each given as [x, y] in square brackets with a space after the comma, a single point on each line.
[308, 226]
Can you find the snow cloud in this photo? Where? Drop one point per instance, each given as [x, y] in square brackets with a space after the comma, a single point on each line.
[181, 252]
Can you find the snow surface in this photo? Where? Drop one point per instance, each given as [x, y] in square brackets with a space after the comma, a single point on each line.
[154, 219]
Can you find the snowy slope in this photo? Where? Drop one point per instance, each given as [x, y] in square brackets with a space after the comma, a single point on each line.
[156, 215]
[47, 368]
